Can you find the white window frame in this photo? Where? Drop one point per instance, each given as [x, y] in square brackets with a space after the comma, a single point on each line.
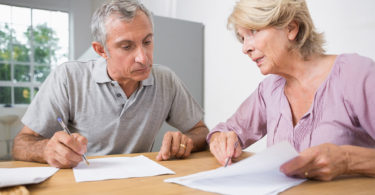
[79, 11]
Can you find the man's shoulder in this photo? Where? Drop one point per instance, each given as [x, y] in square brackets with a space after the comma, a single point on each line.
[163, 72]
[161, 69]
[73, 66]
[77, 69]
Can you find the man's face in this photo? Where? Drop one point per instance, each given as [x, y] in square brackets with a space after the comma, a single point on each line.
[130, 48]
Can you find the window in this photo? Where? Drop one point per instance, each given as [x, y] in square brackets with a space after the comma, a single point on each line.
[32, 43]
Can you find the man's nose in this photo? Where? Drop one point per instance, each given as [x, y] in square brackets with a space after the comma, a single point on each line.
[141, 56]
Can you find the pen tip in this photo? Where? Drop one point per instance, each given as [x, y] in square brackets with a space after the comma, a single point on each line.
[59, 119]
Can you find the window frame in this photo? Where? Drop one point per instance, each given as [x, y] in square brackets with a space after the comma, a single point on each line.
[79, 35]
[32, 84]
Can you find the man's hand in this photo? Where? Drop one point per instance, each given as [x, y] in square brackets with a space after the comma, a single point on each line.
[65, 151]
[62, 150]
[179, 145]
[175, 144]
[322, 162]
[222, 146]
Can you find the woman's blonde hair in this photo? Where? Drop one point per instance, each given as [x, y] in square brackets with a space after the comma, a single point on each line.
[257, 14]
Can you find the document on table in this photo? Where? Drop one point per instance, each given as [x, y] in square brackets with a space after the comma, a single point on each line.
[258, 174]
[118, 168]
[25, 175]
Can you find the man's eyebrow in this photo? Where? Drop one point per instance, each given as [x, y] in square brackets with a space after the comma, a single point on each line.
[149, 35]
[125, 41]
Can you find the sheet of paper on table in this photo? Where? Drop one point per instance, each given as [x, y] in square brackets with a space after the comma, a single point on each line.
[25, 175]
[118, 168]
[258, 174]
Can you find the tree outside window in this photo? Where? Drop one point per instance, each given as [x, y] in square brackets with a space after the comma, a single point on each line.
[32, 43]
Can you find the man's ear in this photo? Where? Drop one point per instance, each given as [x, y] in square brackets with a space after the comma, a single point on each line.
[99, 49]
[293, 28]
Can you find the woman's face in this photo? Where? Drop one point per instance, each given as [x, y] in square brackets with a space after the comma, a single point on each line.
[267, 47]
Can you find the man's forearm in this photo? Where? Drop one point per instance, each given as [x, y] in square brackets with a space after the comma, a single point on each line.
[28, 147]
[198, 135]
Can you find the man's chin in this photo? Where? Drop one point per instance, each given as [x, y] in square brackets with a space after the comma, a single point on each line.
[142, 76]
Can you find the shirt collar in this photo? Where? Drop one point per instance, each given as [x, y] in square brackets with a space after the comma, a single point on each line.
[100, 73]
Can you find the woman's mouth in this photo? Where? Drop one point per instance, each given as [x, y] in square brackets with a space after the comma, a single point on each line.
[259, 61]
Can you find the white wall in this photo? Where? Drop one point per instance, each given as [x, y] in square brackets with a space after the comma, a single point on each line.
[230, 76]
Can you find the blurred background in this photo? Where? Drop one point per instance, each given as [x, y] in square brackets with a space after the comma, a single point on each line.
[38, 35]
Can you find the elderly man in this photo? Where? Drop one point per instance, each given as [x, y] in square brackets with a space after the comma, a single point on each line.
[113, 105]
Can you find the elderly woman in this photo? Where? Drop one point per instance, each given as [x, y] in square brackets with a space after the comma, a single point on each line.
[322, 104]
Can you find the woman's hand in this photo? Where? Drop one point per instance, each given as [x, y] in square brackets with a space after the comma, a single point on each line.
[322, 162]
[222, 146]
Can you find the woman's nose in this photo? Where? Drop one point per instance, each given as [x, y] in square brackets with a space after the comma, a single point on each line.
[247, 46]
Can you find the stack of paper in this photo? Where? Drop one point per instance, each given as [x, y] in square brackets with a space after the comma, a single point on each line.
[118, 168]
[25, 175]
[258, 174]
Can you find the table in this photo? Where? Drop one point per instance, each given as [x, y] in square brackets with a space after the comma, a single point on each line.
[63, 181]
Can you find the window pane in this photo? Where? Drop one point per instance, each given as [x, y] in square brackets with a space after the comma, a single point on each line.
[62, 31]
[51, 34]
[22, 73]
[32, 43]
[21, 95]
[4, 72]
[5, 95]
[5, 13]
[20, 16]
[41, 73]
[5, 41]
[21, 47]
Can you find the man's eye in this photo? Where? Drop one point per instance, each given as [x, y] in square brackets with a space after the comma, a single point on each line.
[253, 31]
[147, 42]
[126, 47]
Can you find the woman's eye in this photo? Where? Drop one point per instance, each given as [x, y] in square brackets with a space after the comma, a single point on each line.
[239, 37]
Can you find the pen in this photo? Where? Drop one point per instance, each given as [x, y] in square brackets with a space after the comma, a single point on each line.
[227, 161]
[68, 132]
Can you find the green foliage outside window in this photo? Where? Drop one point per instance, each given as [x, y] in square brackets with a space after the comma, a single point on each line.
[41, 46]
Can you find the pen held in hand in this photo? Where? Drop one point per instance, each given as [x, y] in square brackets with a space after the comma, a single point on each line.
[68, 132]
[229, 158]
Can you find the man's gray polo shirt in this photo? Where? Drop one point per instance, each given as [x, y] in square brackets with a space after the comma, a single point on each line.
[85, 98]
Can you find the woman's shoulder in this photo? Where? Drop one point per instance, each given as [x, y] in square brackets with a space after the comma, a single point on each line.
[354, 71]
[272, 84]
[354, 63]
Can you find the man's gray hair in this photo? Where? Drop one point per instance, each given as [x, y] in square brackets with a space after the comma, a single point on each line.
[126, 9]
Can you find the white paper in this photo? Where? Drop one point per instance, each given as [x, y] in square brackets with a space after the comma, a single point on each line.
[258, 174]
[118, 168]
[25, 175]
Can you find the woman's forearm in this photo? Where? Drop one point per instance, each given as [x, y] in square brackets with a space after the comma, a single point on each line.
[360, 160]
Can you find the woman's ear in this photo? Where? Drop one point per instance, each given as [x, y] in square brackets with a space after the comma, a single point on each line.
[99, 49]
[293, 28]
